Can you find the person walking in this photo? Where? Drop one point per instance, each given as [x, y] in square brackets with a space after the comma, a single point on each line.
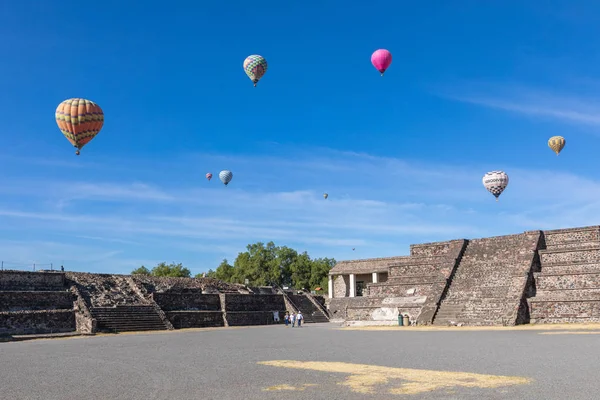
[286, 319]
[293, 318]
[300, 318]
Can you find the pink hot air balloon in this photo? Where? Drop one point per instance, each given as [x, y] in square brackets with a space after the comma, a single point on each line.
[381, 59]
[209, 176]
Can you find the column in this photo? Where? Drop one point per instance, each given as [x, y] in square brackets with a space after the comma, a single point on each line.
[375, 277]
[352, 285]
[330, 286]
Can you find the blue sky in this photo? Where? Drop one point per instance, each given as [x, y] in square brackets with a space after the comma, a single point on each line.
[472, 88]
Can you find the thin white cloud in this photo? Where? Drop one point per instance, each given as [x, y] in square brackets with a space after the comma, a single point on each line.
[570, 108]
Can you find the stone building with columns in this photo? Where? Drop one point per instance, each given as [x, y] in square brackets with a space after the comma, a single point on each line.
[350, 278]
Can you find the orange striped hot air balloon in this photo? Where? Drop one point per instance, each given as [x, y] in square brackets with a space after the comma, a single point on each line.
[79, 120]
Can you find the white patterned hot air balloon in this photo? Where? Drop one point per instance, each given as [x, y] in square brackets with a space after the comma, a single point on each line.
[495, 182]
[225, 176]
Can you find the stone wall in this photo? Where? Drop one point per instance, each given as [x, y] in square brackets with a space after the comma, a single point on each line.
[42, 300]
[196, 319]
[263, 302]
[35, 302]
[567, 287]
[188, 301]
[252, 318]
[243, 309]
[22, 280]
[35, 322]
[341, 285]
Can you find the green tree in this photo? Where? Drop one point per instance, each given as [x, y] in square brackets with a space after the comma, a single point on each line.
[141, 271]
[300, 271]
[319, 274]
[224, 272]
[171, 270]
[267, 264]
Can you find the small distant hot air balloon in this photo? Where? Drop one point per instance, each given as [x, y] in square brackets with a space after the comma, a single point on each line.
[79, 120]
[209, 176]
[495, 182]
[225, 176]
[255, 67]
[325, 196]
[557, 143]
[381, 59]
[353, 249]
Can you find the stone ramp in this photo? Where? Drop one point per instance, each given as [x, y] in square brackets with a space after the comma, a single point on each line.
[128, 319]
[490, 282]
[567, 288]
[311, 313]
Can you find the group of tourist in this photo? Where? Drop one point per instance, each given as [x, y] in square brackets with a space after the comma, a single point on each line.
[293, 319]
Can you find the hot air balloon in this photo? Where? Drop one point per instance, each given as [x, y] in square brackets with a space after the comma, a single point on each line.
[325, 196]
[209, 176]
[495, 182]
[381, 59]
[255, 67]
[79, 120]
[557, 143]
[225, 176]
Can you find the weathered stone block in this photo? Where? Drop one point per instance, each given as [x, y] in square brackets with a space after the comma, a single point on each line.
[257, 302]
[582, 281]
[253, 318]
[188, 301]
[22, 280]
[590, 255]
[42, 300]
[565, 310]
[576, 235]
[195, 319]
[37, 322]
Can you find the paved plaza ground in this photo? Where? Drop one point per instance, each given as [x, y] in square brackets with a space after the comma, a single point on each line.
[313, 362]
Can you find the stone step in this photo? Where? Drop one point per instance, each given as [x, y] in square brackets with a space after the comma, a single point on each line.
[565, 320]
[131, 329]
[572, 245]
[473, 292]
[566, 282]
[566, 294]
[569, 268]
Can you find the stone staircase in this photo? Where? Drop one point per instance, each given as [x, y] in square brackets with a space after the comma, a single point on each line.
[128, 318]
[311, 313]
[489, 284]
[567, 288]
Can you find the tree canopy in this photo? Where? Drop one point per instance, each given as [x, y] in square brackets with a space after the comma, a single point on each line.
[267, 264]
[163, 269]
[262, 265]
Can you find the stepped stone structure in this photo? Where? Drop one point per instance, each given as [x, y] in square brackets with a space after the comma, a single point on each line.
[490, 282]
[35, 303]
[567, 283]
[53, 302]
[537, 276]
